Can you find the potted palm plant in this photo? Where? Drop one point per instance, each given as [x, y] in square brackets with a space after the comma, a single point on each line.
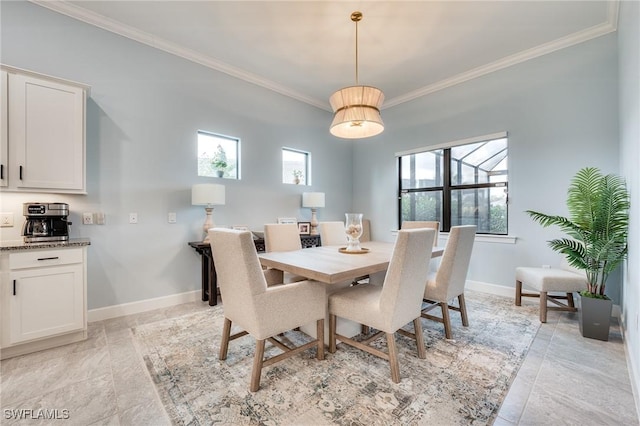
[596, 240]
[219, 161]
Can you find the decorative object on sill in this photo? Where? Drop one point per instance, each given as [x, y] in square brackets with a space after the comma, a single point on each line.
[297, 176]
[313, 200]
[219, 161]
[356, 108]
[349, 387]
[353, 228]
[597, 231]
[208, 195]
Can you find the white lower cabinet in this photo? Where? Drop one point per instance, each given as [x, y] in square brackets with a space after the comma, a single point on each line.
[43, 299]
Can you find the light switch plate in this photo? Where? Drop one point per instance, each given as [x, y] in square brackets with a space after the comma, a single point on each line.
[133, 217]
[171, 217]
[6, 220]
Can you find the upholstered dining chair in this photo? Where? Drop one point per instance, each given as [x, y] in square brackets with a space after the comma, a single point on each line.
[283, 237]
[449, 280]
[262, 312]
[391, 306]
[332, 233]
[413, 224]
[565, 279]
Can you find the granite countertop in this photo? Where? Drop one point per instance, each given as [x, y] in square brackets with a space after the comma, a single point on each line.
[18, 245]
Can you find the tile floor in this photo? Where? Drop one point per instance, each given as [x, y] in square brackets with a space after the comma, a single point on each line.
[565, 378]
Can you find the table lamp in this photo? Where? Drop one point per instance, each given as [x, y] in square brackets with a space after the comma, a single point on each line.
[313, 200]
[208, 195]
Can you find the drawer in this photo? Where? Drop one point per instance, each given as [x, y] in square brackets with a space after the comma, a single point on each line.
[40, 258]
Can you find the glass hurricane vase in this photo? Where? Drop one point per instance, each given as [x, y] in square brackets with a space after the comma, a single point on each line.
[353, 228]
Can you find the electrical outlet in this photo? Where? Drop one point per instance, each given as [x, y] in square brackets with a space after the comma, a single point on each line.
[133, 217]
[546, 266]
[171, 217]
[87, 218]
[6, 220]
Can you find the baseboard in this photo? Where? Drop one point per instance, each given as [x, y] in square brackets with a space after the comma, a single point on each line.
[115, 311]
[634, 369]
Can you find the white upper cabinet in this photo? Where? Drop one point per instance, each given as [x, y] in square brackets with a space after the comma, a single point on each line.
[46, 133]
[4, 130]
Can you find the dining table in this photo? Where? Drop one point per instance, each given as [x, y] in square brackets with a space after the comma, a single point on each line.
[337, 269]
[330, 265]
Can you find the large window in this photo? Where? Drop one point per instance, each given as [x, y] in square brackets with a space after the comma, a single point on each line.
[218, 156]
[463, 184]
[295, 167]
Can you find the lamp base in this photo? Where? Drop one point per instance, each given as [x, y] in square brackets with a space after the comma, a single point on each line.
[313, 230]
[208, 224]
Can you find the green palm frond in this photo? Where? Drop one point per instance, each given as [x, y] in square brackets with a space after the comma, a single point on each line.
[599, 221]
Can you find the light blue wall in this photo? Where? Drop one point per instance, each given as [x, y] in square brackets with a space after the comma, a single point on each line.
[561, 113]
[143, 114]
[629, 65]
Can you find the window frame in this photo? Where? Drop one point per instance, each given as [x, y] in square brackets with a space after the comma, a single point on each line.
[447, 188]
[306, 181]
[220, 136]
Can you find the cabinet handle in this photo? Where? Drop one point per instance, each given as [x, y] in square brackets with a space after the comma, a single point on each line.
[1, 171]
[14, 287]
[20, 172]
[49, 258]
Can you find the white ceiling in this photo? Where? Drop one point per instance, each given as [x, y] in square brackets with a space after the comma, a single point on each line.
[306, 49]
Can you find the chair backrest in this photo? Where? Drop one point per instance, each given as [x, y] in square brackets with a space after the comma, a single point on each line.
[406, 278]
[452, 273]
[366, 230]
[332, 233]
[239, 274]
[281, 237]
[415, 224]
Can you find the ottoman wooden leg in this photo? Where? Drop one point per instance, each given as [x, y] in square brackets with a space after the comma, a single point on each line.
[518, 293]
[570, 300]
[543, 306]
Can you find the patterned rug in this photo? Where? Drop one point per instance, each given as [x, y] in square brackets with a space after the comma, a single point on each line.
[462, 381]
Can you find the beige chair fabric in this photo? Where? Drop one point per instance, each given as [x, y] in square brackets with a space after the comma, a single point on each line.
[565, 279]
[415, 224]
[283, 237]
[332, 233]
[391, 306]
[450, 278]
[263, 312]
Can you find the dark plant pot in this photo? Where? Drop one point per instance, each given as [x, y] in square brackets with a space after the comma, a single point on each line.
[595, 317]
[220, 173]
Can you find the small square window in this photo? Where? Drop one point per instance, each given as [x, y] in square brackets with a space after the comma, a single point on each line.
[295, 167]
[218, 156]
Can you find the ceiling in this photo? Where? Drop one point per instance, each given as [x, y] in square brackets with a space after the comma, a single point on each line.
[306, 49]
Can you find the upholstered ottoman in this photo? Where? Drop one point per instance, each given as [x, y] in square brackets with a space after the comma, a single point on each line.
[546, 280]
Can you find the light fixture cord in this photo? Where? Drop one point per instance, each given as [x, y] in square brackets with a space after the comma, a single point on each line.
[357, 53]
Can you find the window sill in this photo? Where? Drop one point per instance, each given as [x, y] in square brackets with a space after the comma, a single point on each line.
[484, 238]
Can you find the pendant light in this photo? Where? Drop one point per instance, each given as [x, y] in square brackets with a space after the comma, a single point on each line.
[356, 108]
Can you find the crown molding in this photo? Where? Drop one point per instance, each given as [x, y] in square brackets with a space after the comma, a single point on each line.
[599, 30]
[127, 31]
[100, 21]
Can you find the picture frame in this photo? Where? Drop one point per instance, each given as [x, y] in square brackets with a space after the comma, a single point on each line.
[286, 220]
[304, 228]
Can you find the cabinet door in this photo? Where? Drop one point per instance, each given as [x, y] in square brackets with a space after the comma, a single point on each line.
[44, 302]
[4, 132]
[46, 134]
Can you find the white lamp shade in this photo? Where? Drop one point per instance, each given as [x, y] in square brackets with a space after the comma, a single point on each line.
[313, 199]
[357, 112]
[204, 194]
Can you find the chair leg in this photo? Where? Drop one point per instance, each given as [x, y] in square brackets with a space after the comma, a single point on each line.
[364, 329]
[446, 319]
[320, 336]
[393, 358]
[332, 333]
[463, 310]
[417, 325]
[224, 343]
[543, 306]
[258, 359]
[518, 293]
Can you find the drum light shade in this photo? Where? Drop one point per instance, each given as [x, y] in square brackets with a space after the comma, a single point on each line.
[204, 194]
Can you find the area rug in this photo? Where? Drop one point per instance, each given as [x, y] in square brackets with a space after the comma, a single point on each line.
[462, 381]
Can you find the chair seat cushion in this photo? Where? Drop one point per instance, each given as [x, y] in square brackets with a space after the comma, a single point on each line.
[360, 304]
[551, 279]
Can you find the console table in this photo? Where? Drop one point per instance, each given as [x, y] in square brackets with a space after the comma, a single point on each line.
[209, 279]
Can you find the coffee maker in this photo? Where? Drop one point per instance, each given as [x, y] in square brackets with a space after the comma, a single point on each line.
[45, 222]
